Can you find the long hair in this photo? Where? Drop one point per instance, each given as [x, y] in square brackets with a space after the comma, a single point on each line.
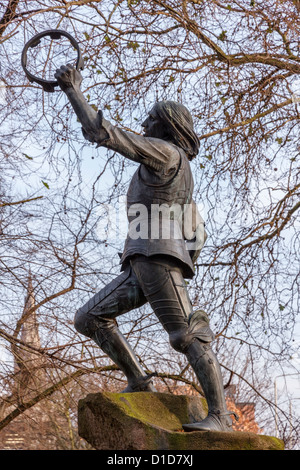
[180, 126]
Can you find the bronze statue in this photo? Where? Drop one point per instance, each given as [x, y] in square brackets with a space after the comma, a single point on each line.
[153, 267]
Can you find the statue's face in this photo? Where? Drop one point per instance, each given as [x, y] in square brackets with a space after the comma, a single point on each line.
[153, 126]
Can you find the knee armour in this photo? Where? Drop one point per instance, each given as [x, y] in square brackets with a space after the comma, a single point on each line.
[81, 323]
[197, 327]
[87, 323]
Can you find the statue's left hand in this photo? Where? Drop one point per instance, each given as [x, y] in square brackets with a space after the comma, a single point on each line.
[68, 77]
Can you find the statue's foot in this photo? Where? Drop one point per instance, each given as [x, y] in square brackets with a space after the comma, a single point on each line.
[147, 388]
[215, 421]
[142, 384]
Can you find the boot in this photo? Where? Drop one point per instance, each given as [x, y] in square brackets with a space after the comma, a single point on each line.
[207, 370]
[143, 384]
[113, 343]
[214, 421]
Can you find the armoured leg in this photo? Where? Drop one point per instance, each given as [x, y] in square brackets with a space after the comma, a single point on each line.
[194, 342]
[113, 343]
[96, 319]
[189, 333]
[207, 369]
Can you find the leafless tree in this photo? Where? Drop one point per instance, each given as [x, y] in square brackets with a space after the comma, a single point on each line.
[235, 64]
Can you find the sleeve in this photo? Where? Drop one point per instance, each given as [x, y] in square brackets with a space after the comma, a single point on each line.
[156, 154]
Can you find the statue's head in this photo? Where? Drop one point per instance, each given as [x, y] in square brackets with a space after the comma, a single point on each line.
[169, 120]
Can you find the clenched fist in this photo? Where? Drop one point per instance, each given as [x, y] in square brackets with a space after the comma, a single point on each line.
[68, 77]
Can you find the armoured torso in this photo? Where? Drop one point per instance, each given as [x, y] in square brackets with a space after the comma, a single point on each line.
[155, 207]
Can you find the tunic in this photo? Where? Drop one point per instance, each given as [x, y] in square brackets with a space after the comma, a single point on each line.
[161, 213]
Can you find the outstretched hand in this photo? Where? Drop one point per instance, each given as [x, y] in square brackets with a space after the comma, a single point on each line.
[68, 77]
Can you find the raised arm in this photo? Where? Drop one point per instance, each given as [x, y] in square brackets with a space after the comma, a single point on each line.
[69, 80]
[156, 154]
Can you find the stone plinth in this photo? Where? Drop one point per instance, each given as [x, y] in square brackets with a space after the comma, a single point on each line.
[153, 421]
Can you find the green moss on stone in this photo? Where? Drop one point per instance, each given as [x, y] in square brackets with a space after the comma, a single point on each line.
[158, 409]
[140, 421]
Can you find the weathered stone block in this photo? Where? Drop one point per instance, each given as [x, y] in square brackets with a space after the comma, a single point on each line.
[153, 421]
